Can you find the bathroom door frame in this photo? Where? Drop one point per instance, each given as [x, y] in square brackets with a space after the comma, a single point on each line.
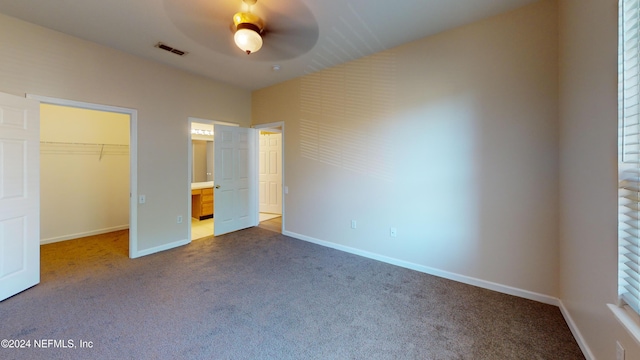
[191, 120]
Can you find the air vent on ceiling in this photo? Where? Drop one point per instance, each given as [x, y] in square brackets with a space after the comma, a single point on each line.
[170, 49]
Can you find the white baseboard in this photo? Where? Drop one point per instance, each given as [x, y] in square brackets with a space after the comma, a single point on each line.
[83, 234]
[586, 351]
[153, 250]
[432, 271]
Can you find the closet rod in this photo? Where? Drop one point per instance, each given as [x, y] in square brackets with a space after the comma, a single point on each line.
[76, 143]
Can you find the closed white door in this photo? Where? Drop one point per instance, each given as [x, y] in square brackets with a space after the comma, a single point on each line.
[19, 194]
[235, 183]
[270, 173]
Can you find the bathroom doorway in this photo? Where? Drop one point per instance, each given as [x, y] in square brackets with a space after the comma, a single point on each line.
[201, 196]
[201, 179]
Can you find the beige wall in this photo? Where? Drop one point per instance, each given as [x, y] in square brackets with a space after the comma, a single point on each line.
[47, 63]
[81, 192]
[588, 177]
[451, 139]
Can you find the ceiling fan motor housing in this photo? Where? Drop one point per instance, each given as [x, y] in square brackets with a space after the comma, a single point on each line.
[248, 26]
[248, 18]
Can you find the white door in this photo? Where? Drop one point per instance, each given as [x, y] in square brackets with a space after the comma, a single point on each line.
[270, 173]
[235, 183]
[19, 194]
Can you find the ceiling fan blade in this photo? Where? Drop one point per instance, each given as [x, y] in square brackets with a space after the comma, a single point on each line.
[208, 23]
[291, 43]
[288, 33]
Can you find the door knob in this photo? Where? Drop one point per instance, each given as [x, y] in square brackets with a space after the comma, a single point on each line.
[217, 186]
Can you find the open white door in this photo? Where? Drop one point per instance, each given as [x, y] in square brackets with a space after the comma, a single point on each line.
[19, 194]
[235, 205]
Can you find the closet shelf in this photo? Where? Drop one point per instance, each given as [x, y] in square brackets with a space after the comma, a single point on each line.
[72, 148]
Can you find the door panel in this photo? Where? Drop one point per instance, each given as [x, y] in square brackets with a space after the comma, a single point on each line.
[19, 194]
[235, 180]
[13, 254]
[270, 175]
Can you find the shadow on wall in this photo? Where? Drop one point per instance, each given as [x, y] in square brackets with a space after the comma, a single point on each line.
[413, 169]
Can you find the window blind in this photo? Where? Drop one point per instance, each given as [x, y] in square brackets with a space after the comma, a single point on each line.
[629, 154]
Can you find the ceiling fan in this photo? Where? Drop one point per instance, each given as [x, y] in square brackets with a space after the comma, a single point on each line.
[279, 29]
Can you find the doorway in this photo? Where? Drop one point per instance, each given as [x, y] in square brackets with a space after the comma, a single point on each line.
[271, 176]
[84, 164]
[201, 179]
[201, 162]
[90, 142]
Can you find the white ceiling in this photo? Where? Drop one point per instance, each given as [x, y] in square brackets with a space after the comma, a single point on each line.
[344, 29]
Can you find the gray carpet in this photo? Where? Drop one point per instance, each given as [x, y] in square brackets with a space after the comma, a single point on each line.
[256, 294]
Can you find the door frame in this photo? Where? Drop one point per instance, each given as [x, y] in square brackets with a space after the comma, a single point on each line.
[191, 120]
[133, 157]
[275, 127]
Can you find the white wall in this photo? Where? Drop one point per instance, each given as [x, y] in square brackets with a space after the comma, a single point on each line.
[451, 139]
[588, 178]
[47, 63]
[81, 192]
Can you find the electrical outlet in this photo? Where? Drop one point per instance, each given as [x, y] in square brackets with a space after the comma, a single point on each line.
[142, 199]
[179, 219]
[393, 232]
[619, 351]
[353, 224]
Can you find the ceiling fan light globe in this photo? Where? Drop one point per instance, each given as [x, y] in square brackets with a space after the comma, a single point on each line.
[248, 40]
